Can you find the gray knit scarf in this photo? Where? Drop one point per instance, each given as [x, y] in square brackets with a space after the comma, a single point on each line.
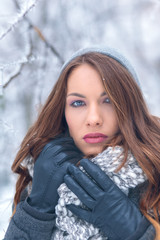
[70, 227]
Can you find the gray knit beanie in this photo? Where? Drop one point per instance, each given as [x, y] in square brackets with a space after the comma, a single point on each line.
[110, 52]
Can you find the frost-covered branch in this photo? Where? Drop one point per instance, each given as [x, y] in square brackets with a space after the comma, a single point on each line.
[13, 77]
[42, 37]
[28, 58]
[21, 64]
[25, 9]
[49, 45]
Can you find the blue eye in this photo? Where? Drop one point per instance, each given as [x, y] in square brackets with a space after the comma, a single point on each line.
[107, 100]
[77, 103]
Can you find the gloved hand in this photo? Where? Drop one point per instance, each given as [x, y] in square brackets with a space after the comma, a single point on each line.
[49, 170]
[109, 209]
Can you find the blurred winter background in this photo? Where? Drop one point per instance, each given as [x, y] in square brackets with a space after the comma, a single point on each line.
[36, 36]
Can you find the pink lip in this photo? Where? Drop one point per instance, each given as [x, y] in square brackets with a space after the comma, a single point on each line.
[94, 138]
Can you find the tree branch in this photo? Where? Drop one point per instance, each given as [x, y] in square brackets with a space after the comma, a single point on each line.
[19, 18]
[42, 37]
[14, 76]
[22, 63]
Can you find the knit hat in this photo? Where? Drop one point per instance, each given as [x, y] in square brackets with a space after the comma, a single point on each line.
[110, 52]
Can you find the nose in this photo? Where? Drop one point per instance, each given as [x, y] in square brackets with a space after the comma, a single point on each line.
[94, 117]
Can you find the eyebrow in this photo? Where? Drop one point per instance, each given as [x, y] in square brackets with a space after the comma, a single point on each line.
[82, 96]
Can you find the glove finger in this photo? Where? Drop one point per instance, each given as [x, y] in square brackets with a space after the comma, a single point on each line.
[79, 212]
[71, 146]
[53, 149]
[85, 182]
[79, 191]
[64, 141]
[97, 174]
[70, 156]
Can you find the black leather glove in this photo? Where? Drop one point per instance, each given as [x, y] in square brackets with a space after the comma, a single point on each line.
[49, 170]
[108, 208]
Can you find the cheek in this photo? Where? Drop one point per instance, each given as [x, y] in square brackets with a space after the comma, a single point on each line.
[111, 122]
[115, 126]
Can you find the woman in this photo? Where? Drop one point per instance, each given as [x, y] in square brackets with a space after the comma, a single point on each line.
[95, 105]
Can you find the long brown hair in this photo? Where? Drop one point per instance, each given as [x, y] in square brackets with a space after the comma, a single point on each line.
[139, 130]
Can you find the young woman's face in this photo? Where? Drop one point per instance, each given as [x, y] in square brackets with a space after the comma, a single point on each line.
[89, 113]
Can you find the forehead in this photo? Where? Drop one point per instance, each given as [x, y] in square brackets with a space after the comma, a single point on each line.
[84, 76]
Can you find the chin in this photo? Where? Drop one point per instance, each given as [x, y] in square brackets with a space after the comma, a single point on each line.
[90, 153]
